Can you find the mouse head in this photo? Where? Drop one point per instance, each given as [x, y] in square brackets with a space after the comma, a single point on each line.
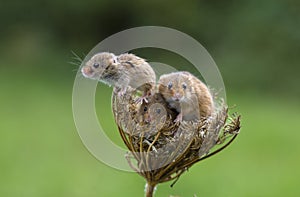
[154, 111]
[175, 86]
[99, 66]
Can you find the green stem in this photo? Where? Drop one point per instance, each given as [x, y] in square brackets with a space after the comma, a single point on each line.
[150, 188]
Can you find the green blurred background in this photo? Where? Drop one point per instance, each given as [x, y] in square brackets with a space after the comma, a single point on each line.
[256, 45]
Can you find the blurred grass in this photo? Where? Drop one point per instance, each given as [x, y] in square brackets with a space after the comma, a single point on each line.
[42, 155]
[255, 44]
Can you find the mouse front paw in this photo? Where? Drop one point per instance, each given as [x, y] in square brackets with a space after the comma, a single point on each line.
[141, 100]
[178, 118]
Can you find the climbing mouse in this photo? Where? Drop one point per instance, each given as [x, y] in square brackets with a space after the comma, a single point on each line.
[156, 110]
[123, 71]
[187, 94]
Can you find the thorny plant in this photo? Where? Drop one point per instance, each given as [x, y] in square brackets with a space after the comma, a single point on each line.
[162, 152]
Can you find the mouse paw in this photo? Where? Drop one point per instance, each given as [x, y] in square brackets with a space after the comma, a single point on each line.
[178, 118]
[122, 91]
[141, 100]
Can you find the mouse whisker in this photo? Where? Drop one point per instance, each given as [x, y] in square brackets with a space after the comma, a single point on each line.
[76, 56]
[75, 63]
[75, 69]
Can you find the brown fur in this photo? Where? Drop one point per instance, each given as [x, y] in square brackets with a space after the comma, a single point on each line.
[148, 111]
[120, 71]
[137, 72]
[194, 101]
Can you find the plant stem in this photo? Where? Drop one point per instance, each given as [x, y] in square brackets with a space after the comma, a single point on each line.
[149, 190]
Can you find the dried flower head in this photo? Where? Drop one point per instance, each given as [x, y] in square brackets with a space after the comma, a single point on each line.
[161, 150]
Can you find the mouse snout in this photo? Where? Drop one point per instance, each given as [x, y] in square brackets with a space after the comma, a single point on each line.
[86, 71]
[177, 96]
[147, 119]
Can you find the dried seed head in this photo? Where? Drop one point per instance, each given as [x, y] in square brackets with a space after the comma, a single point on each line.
[161, 150]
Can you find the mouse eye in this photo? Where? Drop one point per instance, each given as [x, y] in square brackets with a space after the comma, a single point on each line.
[158, 111]
[184, 86]
[96, 65]
[145, 108]
[170, 85]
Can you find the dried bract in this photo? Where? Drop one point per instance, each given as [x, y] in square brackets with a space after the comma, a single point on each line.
[161, 150]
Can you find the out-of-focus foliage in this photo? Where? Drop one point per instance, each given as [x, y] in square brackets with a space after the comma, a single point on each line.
[256, 45]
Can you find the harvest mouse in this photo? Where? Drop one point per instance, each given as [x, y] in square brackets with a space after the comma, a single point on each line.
[156, 110]
[123, 71]
[187, 94]
[155, 114]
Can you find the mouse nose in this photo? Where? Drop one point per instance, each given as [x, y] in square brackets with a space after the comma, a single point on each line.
[86, 71]
[147, 119]
[177, 96]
